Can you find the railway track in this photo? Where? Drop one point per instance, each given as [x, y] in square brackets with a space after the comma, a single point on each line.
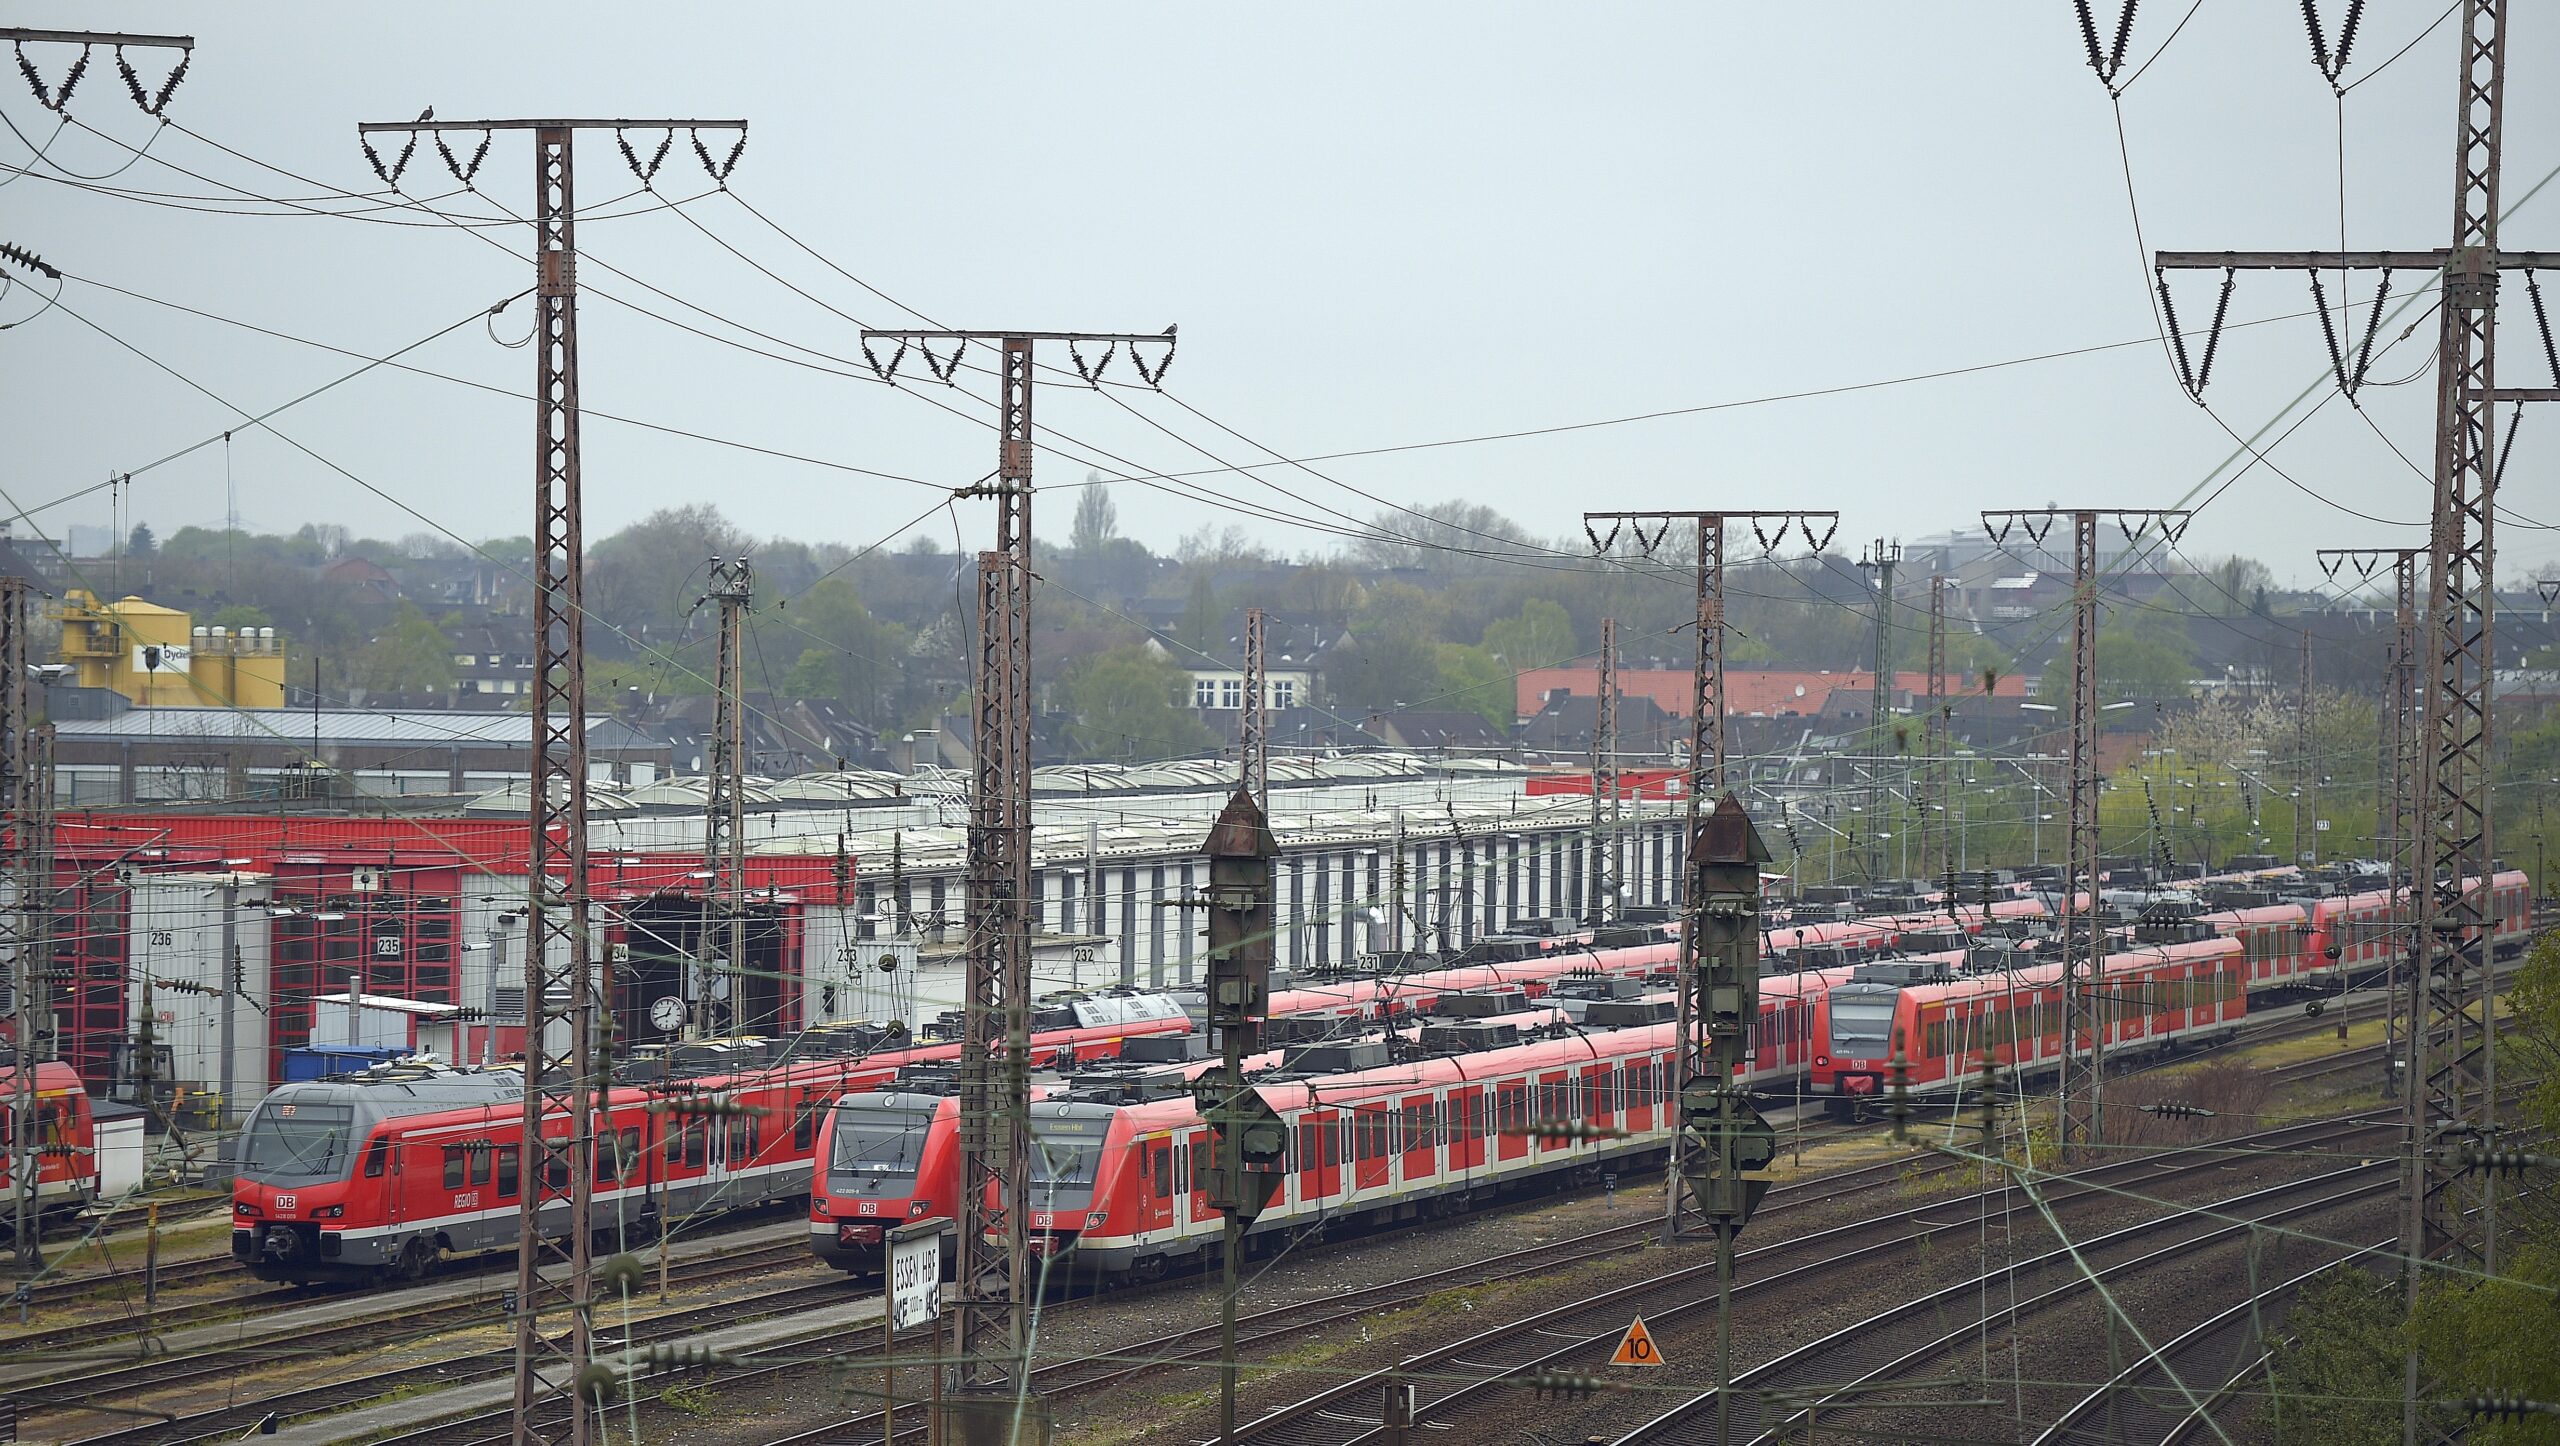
[127, 1382]
[1067, 1377]
[2146, 1402]
[1835, 1370]
[1458, 1373]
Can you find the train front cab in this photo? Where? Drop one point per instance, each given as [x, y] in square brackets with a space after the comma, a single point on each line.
[297, 1178]
[1853, 1047]
[888, 1159]
[65, 1138]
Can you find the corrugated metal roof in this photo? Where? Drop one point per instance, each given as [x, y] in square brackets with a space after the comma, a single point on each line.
[334, 725]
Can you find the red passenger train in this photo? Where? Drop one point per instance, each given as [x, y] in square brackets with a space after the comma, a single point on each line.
[64, 1137]
[1121, 1188]
[896, 1156]
[2150, 997]
[379, 1173]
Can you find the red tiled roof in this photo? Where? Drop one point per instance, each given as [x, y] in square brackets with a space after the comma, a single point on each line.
[1766, 692]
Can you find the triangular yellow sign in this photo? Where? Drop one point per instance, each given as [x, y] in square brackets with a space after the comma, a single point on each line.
[1635, 1348]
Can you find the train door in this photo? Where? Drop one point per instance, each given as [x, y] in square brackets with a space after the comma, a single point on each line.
[1154, 1195]
[1372, 1133]
[1319, 1157]
[395, 1186]
[1199, 1150]
[1555, 1106]
[1466, 1127]
[1419, 1139]
[1511, 1120]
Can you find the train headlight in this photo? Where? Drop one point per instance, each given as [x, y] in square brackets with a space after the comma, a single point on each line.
[246, 1211]
[920, 1207]
[1822, 1061]
[330, 1212]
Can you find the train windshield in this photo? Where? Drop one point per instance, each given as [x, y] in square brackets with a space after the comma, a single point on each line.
[294, 1141]
[874, 1147]
[1861, 1023]
[1066, 1154]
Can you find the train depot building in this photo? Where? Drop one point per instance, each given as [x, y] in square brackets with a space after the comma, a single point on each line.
[205, 950]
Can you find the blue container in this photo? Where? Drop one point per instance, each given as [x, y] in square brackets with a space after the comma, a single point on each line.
[311, 1062]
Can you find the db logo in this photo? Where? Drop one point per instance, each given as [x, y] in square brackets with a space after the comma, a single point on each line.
[867, 1207]
[1042, 1220]
[287, 1202]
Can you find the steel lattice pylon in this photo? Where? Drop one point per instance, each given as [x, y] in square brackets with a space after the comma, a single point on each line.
[2395, 774]
[2451, 1069]
[553, 1276]
[1604, 775]
[568, 1042]
[724, 804]
[992, 1335]
[1253, 739]
[2081, 917]
[1884, 559]
[1706, 771]
[26, 924]
[1937, 828]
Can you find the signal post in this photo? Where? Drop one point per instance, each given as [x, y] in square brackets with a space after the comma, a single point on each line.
[1252, 1140]
[1729, 1144]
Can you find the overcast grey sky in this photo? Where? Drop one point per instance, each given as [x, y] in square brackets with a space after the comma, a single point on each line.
[1376, 225]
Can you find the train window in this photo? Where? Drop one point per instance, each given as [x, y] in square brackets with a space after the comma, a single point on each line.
[477, 1161]
[697, 1143]
[555, 1164]
[742, 1139]
[454, 1168]
[804, 1123]
[510, 1168]
[377, 1157]
[1160, 1165]
[608, 1161]
[1203, 1158]
[1333, 1147]
[1310, 1151]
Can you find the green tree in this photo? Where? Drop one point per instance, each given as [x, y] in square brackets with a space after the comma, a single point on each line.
[851, 656]
[1202, 617]
[1130, 703]
[1097, 516]
[648, 576]
[412, 655]
[1540, 635]
[2142, 653]
[1475, 680]
[140, 543]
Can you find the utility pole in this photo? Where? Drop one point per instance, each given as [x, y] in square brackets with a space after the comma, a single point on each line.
[1253, 740]
[724, 806]
[1396, 892]
[993, 1339]
[2306, 770]
[26, 926]
[1604, 775]
[2449, 1209]
[1251, 1139]
[1706, 772]
[1882, 560]
[2395, 799]
[559, 1386]
[1731, 1144]
[226, 1078]
[1935, 824]
[2083, 921]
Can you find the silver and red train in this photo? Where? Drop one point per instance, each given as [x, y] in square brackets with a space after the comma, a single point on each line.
[62, 1135]
[380, 1173]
